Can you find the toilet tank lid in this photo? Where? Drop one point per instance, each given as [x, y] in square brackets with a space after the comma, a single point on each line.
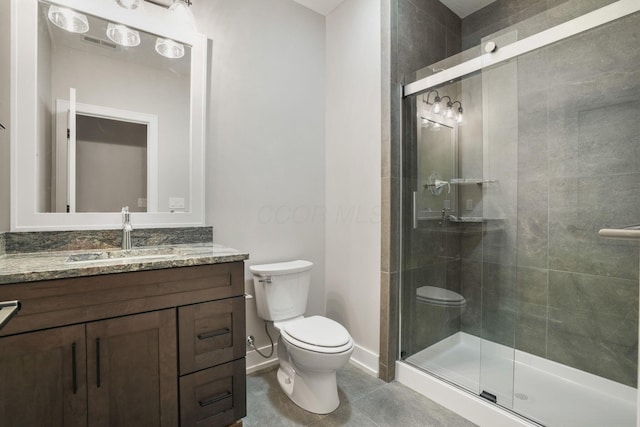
[279, 268]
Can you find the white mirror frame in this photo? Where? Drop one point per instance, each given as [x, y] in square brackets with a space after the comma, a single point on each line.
[24, 94]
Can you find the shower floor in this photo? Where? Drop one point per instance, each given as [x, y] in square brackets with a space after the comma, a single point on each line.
[547, 392]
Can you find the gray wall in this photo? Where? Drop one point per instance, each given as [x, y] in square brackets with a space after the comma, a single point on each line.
[265, 153]
[579, 170]
[527, 16]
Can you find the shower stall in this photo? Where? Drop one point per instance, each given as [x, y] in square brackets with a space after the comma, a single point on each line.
[515, 153]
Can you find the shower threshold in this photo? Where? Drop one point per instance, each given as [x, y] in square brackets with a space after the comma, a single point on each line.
[547, 392]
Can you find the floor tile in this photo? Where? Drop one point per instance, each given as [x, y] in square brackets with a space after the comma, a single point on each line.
[364, 401]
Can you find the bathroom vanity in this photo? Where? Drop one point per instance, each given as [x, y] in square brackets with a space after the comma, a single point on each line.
[149, 339]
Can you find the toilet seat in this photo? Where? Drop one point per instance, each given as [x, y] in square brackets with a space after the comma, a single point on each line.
[318, 334]
[439, 296]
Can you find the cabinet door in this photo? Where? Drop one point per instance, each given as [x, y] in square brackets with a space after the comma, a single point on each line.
[132, 370]
[43, 378]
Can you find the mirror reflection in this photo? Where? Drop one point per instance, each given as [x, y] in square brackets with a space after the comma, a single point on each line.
[113, 117]
[437, 167]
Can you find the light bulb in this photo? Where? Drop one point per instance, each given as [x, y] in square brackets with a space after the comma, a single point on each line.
[68, 19]
[169, 49]
[437, 106]
[449, 112]
[123, 35]
[129, 4]
[459, 117]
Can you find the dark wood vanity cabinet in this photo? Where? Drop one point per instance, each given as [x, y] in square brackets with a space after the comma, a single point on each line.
[151, 348]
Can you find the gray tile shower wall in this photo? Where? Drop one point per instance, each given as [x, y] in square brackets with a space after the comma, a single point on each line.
[574, 295]
[527, 16]
[46, 241]
[420, 32]
[427, 33]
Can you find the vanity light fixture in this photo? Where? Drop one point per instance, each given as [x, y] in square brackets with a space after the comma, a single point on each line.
[123, 35]
[450, 112]
[129, 4]
[181, 7]
[68, 19]
[169, 49]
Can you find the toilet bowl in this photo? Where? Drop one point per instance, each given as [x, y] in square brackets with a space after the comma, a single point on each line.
[310, 349]
[433, 295]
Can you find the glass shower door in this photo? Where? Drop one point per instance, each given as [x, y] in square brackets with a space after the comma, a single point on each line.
[499, 88]
[435, 305]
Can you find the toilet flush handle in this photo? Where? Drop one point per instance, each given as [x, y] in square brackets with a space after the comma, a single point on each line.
[265, 280]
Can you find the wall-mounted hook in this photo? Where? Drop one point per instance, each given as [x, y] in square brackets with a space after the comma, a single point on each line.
[2, 126]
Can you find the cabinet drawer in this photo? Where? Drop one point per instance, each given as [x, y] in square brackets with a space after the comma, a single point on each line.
[214, 397]
[211, 333]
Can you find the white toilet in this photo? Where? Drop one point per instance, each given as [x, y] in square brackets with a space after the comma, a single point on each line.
[311, 349]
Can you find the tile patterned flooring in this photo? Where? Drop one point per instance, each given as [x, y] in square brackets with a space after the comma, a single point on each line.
[365, 401]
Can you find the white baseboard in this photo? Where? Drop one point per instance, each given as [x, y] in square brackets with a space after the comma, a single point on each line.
[255, 362]
[361, 357]
[366, 360]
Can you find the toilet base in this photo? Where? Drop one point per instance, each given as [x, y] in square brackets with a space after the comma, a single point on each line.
[313, 392]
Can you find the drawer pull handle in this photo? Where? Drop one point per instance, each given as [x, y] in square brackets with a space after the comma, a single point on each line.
[98, 376]
[74, 369]
[215, 399]
[212, 334]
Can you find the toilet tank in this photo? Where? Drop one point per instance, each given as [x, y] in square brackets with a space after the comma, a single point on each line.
[281, 289]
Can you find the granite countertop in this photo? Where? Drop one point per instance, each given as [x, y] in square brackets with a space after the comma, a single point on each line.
[35, 266]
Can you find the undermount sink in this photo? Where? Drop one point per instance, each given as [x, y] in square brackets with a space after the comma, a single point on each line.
[149, 254]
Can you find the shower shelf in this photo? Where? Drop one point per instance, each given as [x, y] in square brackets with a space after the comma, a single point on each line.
[470, 181]
[629, 232]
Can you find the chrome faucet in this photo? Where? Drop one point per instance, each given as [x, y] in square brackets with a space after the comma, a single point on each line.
[126, 229]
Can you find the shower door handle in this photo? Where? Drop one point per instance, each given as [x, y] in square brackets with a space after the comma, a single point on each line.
[414, 210]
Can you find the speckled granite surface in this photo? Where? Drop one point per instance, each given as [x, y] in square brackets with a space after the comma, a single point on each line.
[46, 241]
[34, 266]
[33, 256]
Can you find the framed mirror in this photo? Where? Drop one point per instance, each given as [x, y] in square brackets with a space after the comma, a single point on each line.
[102, 120]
